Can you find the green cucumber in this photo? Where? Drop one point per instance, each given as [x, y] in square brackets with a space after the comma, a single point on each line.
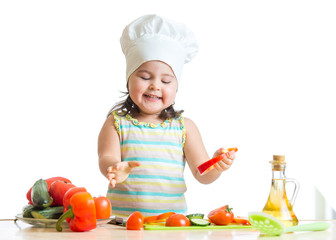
[195, 215]
[40, 195]
[26, 211]
[199, 222]
[37, 215]
[48, 213]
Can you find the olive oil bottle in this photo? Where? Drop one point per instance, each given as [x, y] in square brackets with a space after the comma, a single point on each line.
[277, 203]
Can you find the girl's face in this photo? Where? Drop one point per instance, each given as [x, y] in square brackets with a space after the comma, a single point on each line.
[152, 87]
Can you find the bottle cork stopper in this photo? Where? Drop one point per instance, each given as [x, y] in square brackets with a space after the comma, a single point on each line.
[279, 158]
[278, 163]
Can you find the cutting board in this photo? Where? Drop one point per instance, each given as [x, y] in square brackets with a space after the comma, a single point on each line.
[230, 226]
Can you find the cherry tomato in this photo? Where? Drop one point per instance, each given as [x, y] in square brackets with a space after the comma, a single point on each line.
[221, 216]
[103, 207]
[177, 220]
[57, 191]
[135, 221]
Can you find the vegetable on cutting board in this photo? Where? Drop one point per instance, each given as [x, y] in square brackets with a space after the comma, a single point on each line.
[195, 215]
[178, 220]
[199, 222]
[241, 220]
[221, 216]
[209, 165]
[159, 219]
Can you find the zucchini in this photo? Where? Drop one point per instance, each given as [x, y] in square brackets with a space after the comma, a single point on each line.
[26, 211]
[195, 215]
[48, 213]
[40, 195]
[199, 222]
[37, 215]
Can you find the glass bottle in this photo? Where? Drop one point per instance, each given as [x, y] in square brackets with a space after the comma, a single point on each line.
[277, 203]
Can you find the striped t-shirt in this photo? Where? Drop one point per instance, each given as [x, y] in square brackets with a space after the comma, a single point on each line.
[157, 185]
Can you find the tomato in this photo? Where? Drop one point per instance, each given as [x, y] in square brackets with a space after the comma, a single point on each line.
[177, 220]
[242, 220]
[58, 189]
[221, 216]
[103, 207]
[135, 221]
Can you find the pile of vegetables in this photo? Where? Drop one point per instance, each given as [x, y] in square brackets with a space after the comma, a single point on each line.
[57, 198]
[218, 216]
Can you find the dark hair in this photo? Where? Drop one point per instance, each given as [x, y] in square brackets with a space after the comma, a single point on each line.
[127, 106]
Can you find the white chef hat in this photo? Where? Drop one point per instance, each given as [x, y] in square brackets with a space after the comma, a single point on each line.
[152, 37]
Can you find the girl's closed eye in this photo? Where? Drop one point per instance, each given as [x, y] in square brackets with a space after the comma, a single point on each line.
[145, 76]
[166, 81]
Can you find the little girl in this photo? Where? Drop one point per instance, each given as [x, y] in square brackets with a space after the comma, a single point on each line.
[144, 143]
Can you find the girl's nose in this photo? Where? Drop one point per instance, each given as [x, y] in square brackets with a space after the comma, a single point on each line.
[154, 85]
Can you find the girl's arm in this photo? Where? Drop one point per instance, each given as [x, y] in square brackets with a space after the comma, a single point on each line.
[110, 154]
[196, 154]
[108, 146]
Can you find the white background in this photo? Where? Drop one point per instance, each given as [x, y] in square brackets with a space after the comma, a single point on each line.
[263, 81]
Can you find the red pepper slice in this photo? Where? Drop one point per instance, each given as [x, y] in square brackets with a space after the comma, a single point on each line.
[241, 220]
[208, 165]
[82, 212]
[161, 218]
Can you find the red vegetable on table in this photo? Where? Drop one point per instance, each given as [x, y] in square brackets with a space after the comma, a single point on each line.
[81, 211]
[103, 207]
[178, 220]
[135, 221]
[161, 218]
[221, 216]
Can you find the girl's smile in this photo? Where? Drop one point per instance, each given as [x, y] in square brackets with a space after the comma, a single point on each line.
[152, 98]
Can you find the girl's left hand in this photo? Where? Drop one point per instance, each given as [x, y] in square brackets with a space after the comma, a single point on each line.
[226, 163]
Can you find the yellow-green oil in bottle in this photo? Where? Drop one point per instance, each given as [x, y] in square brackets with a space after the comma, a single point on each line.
[277, 203]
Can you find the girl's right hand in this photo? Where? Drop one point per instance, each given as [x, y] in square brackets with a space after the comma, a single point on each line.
[226, 163]
[119, 172]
